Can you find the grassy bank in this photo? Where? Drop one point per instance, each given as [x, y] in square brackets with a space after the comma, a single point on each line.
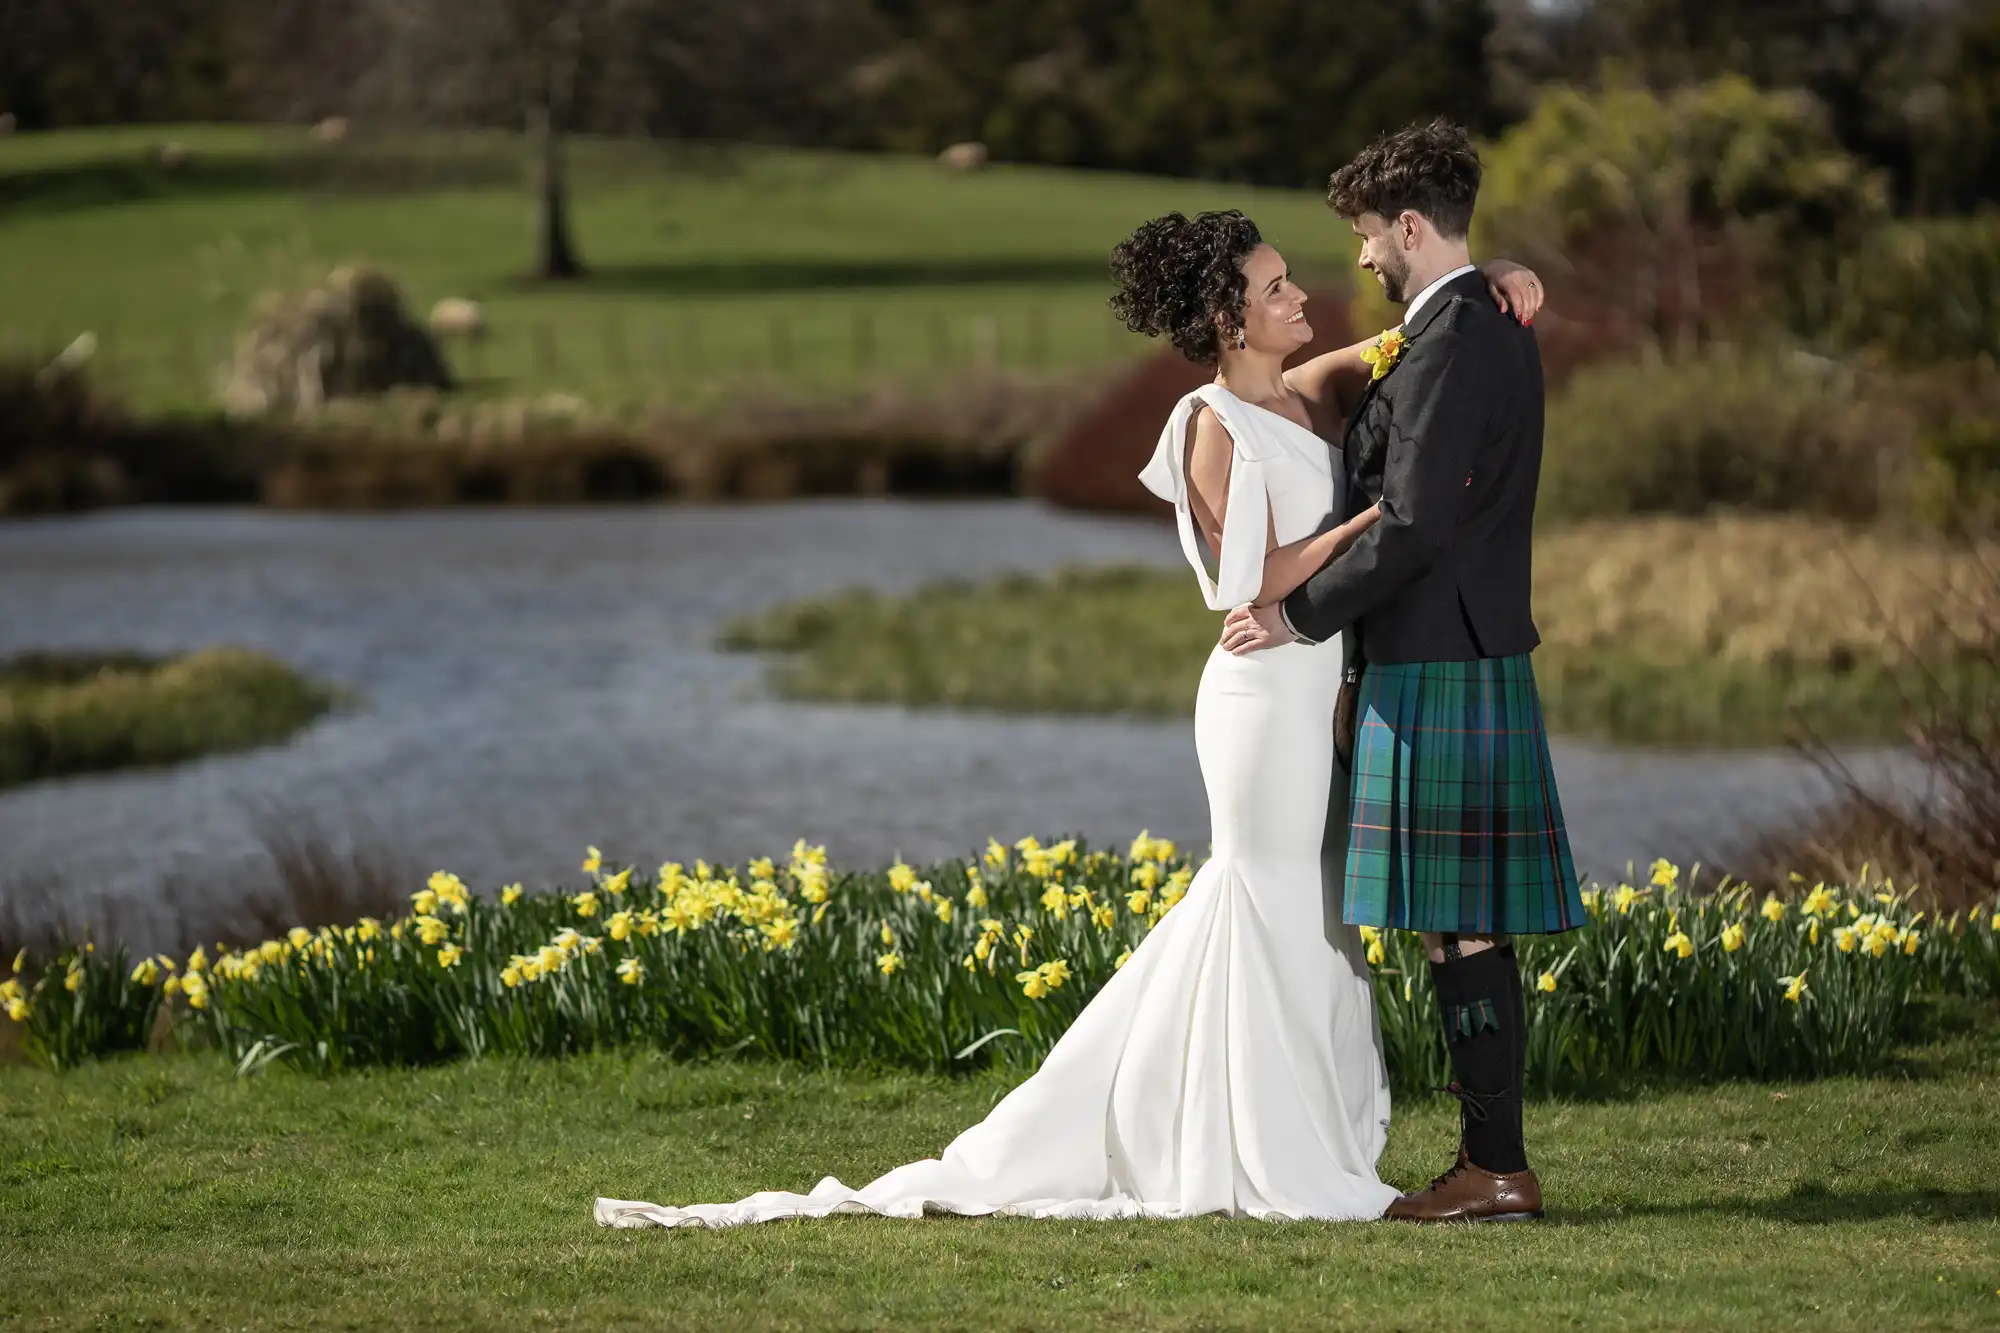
[62, 714]
[1723, 631]
[165, 1192]
[710, 267]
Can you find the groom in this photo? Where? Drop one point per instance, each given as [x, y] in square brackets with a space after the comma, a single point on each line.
[1456, 830]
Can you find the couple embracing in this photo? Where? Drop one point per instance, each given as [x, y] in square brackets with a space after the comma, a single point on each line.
[1369, 734]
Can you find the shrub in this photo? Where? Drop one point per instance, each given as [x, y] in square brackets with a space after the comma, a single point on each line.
[1920, 292]
[1726, 428]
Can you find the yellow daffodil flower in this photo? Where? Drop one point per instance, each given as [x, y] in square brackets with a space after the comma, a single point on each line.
[1032, 984]
[147, 972]
[1846, 939]
[1104, 917]
[996, 855]
[1384, 352]
[1624, 899]
[585, 904]
[1665, 874]
[890, 963]
[1055, 899]
[631, 971]
[888, 935]
[762, 868]
[1376, 954]
[21, 961]
[1054, 973]
[449, 955]
[902, 878]
[618, 883]
[510, 895]
[424, 902]
[431, 930]
[1679, 943]
[17, 1009]
[1121, 960]
[1732, 936]
[1774, 908]
[943, 908]
[619, 926]
[1547, 985]
[1911, 940]
[73, 979]
[510, 976]
[1139, 901]
[1795, 987]
[975, 897]
[593, 860]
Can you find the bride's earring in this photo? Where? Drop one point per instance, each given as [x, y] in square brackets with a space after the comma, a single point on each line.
[1242, 339]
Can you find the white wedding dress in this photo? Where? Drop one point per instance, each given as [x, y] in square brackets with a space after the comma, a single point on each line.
[1233, 1065]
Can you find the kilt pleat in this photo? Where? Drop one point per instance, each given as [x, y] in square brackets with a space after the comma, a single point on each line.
[1456, 825]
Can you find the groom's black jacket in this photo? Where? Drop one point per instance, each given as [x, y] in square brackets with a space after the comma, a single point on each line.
[1450, 442]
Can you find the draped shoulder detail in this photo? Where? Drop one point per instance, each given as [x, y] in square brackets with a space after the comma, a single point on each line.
[1246, 523]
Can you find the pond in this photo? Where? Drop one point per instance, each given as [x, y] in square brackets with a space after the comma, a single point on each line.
[535, 680]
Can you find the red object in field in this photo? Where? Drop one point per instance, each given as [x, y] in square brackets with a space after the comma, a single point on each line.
[1095, 463]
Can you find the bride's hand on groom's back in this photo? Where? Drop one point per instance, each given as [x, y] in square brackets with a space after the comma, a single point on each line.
[1515, 288]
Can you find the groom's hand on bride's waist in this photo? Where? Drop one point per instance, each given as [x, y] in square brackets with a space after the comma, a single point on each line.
[1249, 628]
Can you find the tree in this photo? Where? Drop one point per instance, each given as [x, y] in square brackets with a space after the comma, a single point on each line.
[1640, 196]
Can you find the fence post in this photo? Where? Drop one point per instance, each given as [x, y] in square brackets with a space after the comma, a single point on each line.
[545, 349]
[864, 340]
[940, 339]
[781, 344]
[616, 358]
[985, 342]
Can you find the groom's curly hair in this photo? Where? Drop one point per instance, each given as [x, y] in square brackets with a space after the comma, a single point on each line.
[1176, 273]
[1429, 169]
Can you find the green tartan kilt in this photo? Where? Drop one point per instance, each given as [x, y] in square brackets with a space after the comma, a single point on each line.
[1455, 823]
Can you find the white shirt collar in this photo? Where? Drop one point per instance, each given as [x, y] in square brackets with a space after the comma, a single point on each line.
[1417, 301]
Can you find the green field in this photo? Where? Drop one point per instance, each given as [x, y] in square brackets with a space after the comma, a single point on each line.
[710, 268]
[166, 1193]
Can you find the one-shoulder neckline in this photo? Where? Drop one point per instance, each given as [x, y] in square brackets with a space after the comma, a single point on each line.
[1269, 412]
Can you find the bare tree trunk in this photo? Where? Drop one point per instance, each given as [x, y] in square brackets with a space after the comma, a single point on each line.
[555, 253]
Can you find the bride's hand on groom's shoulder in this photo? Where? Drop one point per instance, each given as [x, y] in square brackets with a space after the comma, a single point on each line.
[1249, 628]
[1516, 289]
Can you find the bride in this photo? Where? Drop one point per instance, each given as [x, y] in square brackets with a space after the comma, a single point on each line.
[1233, 1065]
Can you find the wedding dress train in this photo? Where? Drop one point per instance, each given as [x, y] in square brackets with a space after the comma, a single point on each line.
[1233, 1065]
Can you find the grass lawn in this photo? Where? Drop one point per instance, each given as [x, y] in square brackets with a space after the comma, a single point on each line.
[163, 1192]
[1724, 630]
[62, 714]
[709, 266]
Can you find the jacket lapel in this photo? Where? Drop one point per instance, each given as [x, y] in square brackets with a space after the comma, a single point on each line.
[1457, 287]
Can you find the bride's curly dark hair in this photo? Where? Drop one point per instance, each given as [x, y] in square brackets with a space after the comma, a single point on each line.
[1176, 274]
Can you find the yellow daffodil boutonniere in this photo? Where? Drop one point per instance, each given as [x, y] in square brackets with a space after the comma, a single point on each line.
[1385, 351]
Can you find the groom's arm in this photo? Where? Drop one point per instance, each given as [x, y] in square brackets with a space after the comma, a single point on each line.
[1440, 421]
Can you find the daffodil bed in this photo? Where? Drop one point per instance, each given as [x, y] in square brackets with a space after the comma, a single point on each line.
[167, 1193]
[981, 962]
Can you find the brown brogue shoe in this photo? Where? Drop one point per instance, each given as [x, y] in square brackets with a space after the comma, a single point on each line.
[1469, 1193]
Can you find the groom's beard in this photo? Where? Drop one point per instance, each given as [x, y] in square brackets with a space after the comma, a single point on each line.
[1396, 283]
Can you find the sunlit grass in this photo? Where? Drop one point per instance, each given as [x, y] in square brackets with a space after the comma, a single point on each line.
[86, 713]
[166, 1193]
[1721, 631]
[711, 269]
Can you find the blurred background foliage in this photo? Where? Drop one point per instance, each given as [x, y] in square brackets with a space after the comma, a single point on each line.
[1258, 91]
